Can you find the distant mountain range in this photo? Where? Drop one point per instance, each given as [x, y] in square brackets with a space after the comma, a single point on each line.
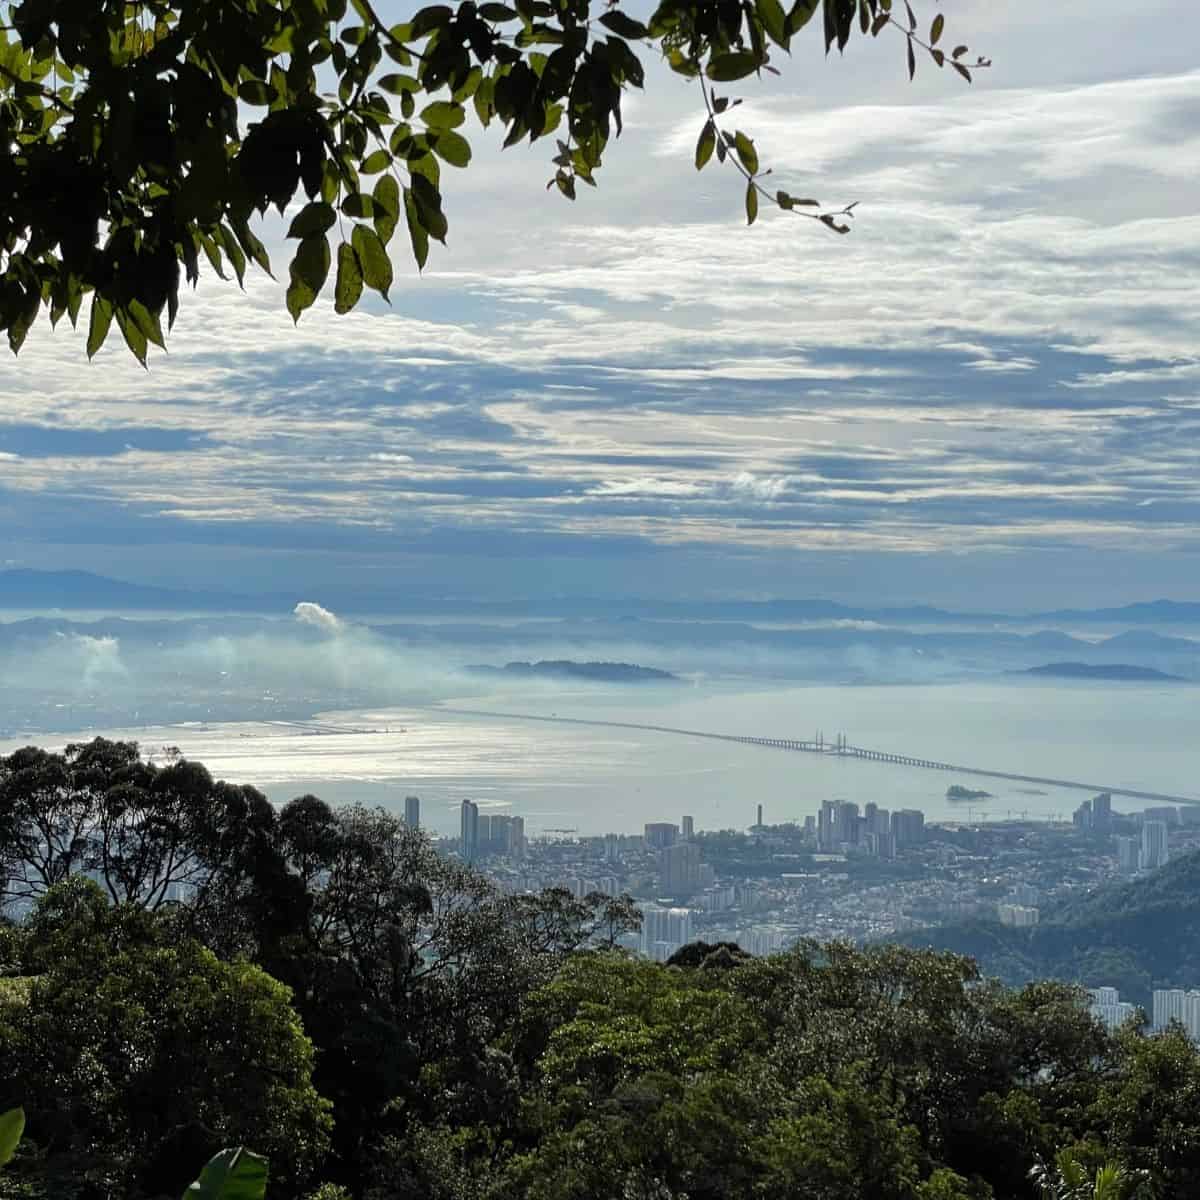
[1135, 936]
[1114, 672]
[27, 589]
[593, 672]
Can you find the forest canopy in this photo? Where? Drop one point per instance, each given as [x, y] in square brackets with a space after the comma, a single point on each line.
[383, 1023]
[140, 140]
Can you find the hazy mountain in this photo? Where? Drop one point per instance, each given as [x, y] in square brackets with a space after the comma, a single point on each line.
[1135, 936]
[1113, 672]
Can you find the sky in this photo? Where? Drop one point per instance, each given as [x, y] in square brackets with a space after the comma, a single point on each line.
[987, 395]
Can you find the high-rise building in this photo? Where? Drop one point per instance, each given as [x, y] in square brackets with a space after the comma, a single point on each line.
[612, 848]
[1168, 814]
[1082, 817]
[1169, 1004]
[687, 828]
[1018, 915]
[845, 823]
[412, 812]
[679, 869]
[659, 834]
[469, 830]
[1107, 1006]
[825, 821]
[759, 822]
[1129, 854]
[1154, 845]
[908, 827]
[664, 930]
[1102, 812]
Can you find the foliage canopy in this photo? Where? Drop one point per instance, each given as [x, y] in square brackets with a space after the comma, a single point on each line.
[137, 139]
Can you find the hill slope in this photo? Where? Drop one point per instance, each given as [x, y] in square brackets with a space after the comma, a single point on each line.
[1135, 936]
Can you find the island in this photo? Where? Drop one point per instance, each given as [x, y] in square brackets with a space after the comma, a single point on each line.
[593, 672]
[1112, 672]
[957, 794]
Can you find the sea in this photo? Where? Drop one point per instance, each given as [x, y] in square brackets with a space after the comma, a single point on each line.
[528, 753]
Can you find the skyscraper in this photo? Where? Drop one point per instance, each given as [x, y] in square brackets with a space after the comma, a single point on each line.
[1102, 812]
[687, 828]
[659, 834]
[412, 812]
[908, 826]
[679, 869]
[1154, 845]
[825, 831]
[470, 830]
[1128, 854]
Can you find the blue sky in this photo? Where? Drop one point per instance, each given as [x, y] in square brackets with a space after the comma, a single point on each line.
[988, 395]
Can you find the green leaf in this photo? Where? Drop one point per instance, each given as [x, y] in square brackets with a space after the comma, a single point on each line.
[312, 219]
[397, 85]
[254, 91]
[147, 322]
[376, 161]
[751, 203]
[775, 22]
[135, 339]
[624, 26]
[443, 114]
[99, 323]
[373, 259]
[231, 1175]
[349, 283]
[800, 15]
[935, 30]
[358, 206]
[12, 1126]
[497, 12]
[705, 144]
[311, 264]
[912, 60]
[386, 197]
[416, 232]
[428, 200]
[726, 67]
[452, 147]
[746, 152]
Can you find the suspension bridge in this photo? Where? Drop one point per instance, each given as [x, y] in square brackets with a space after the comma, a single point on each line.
[841, 748]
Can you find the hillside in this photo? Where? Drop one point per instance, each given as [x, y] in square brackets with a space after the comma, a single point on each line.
[1135, 936]
[593, 672]
[1114, 672]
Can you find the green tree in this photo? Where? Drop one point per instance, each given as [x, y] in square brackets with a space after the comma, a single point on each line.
[138, 1054]
[1148, 1109]
[138, 139]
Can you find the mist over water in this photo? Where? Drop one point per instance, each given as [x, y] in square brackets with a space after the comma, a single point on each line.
[312, 702]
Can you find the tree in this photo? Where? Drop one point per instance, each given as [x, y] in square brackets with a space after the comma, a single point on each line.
[151, 835]
[1069, 1179]
[137, 1055]
[137, 138]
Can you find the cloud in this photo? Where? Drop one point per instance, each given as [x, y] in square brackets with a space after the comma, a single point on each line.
[1000, 359]
[308, 613]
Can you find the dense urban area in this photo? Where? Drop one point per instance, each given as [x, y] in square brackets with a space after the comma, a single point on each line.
[842, 874]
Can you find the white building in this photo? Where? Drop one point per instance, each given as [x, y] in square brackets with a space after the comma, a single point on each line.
[664, 930]
[1107, 1006]
[1018, 915]
[1154, 845]
[1174, 1004]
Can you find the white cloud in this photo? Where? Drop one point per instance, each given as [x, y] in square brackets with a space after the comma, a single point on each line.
[308, 613]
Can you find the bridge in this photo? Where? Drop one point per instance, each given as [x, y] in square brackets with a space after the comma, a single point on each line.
[841, 748]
